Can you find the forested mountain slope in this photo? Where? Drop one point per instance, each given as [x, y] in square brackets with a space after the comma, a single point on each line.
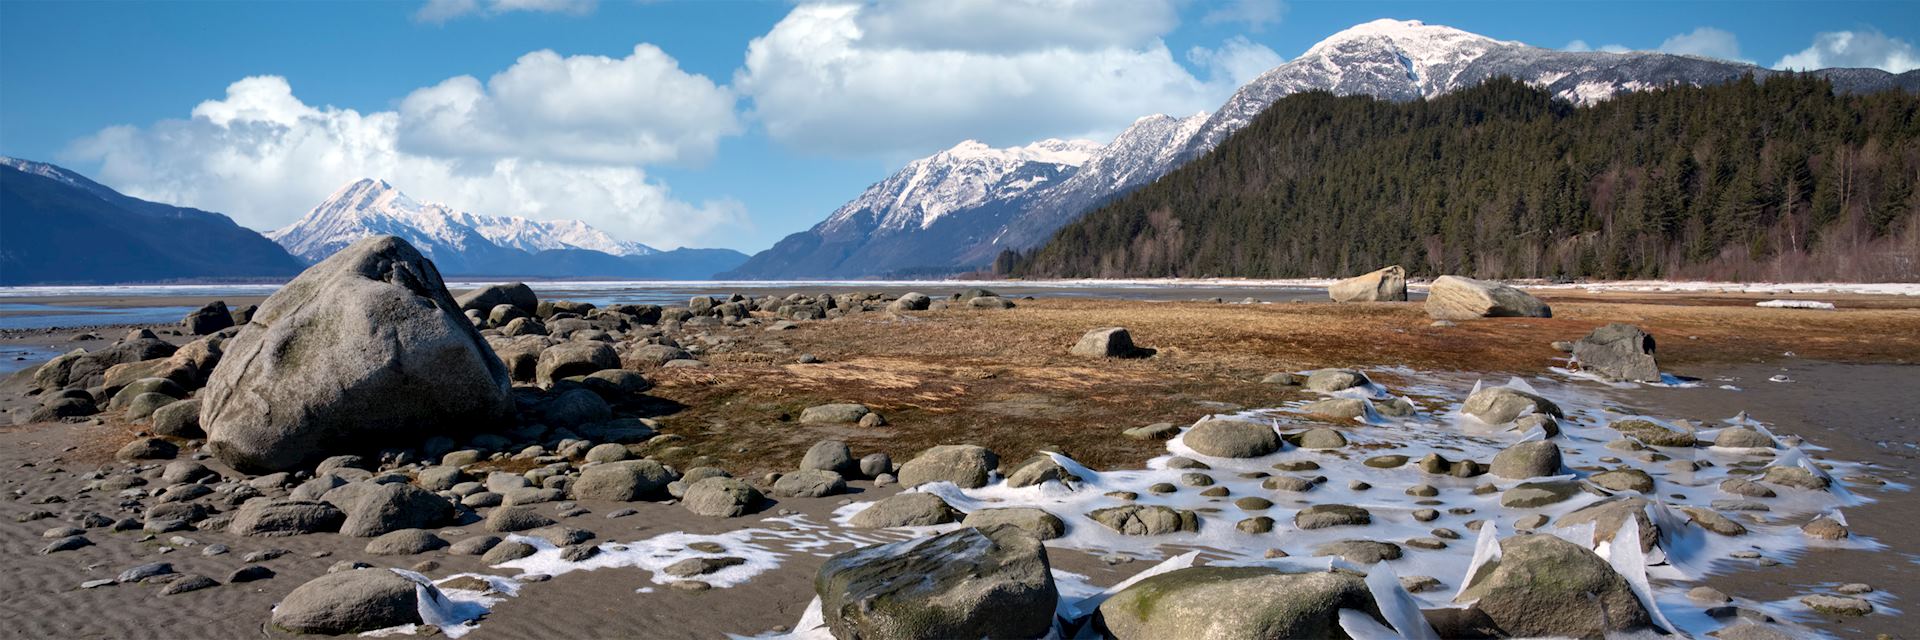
[1781, 179]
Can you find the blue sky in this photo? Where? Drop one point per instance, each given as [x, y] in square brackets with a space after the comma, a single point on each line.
[707, 123]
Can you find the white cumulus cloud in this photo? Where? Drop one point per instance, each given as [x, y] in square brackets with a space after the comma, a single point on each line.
[265, 157]
[641, 109]
[1854, 49]
[1706, 42]
[439, 11]
[907, 78]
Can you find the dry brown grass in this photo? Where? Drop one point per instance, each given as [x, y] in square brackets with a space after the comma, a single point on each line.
[1003, 379]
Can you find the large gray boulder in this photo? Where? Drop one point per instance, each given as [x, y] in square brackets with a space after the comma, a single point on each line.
[1230, 603]
[1385, 285]
[1457, 298]
[970, 583]
[1232, 439]
[362, 349]
[965, 465]
[1544, 586]
[349, 602]
[1618, 351]
[484, 299]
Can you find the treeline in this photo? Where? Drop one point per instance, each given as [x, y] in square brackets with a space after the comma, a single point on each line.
[1781, 180]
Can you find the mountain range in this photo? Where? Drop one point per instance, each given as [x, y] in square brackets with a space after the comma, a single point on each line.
[470, 244]
[58, 227]
[983, 211]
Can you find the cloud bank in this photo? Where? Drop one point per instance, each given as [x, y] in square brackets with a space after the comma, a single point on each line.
[1859, 49]
[265, 157]
[908, 78]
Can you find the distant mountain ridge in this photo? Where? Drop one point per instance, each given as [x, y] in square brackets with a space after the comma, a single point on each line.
[372, 207]
[58, 227]
[471, 244]
[1399, 60]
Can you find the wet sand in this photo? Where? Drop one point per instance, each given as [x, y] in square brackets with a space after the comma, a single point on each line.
[1862, 413]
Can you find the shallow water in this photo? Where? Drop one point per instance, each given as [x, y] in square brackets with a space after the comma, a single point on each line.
[42, 307]
[19, 315]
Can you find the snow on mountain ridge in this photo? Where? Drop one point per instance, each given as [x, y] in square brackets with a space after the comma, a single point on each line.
[370, 207]
[966, 175]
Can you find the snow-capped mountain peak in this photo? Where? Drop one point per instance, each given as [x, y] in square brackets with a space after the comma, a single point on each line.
[969, 174]
[369, 207]
[1417, 39]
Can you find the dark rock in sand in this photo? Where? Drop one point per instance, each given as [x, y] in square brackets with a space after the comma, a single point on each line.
[208, 319]
[366, 346]
[270, 518]
[970, 583]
